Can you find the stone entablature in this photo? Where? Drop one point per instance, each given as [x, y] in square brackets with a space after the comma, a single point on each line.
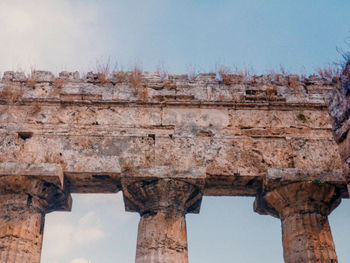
[143, 133]
[236, 129]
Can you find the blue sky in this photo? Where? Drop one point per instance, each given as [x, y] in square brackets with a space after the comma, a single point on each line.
[180, 36]
[226, 230]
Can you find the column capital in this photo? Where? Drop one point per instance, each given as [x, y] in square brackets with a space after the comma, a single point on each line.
[164, 195]
[293, 190]
[40, 187]
[27, 193]
[302, 197]
[164, 189]
[302, 200]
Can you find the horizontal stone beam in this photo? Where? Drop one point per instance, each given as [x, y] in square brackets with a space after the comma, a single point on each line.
[194, 174]
[93, 182]
[283, 176]
[49, 172]
[212, 184]
[232, 185]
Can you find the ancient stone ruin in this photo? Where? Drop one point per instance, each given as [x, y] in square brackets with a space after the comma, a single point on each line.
[166, 141]
[339, 109]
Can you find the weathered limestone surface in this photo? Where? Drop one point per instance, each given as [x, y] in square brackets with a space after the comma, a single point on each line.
[162, 204]
[98, 130]
[162, 238]
[303, 208]
[27, 193]
[166, 141]
[339, 109]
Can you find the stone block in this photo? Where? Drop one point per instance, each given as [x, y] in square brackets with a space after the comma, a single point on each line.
[65, 75]
[42, 76]
[49, 172]
[14, 76]
[276, 178]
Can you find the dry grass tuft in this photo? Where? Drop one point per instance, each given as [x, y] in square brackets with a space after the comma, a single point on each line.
[120, 76]
[246, 74]
[135, 80]
[135, 77]
[331, 73]
[234, 75]
[193, 72]
[162, 72]
[103, 78]
[104, 71]
[225, 74]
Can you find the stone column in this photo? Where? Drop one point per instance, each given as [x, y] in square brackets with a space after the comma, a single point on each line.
[24, 201]
[303, 208]
[162, 204]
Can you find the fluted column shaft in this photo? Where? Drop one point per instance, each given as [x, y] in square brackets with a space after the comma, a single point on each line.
[303, 209]
[162, 204]
[307, 238]
[162, 238]
[24, 202]
[21, 230]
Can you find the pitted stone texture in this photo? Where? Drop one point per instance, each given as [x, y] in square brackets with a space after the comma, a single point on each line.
[21, 230]
[148, 196]
[236, 129]
[24, 201]
[162, 204]
[339, 109]
[346, 77]
[275, 178]
[71, 76]
[100, 139]
[48, 172]
[14, 76]
[344, 148]
[162, 238]
[303, 209]
[307, 238]
[153, 87]
[42, 76]
[43, 195]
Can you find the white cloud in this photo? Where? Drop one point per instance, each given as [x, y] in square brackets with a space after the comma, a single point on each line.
[89, 229]
[115, 203]
[79, 260]
[63, 234]
[94, 219]
[52, 34]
